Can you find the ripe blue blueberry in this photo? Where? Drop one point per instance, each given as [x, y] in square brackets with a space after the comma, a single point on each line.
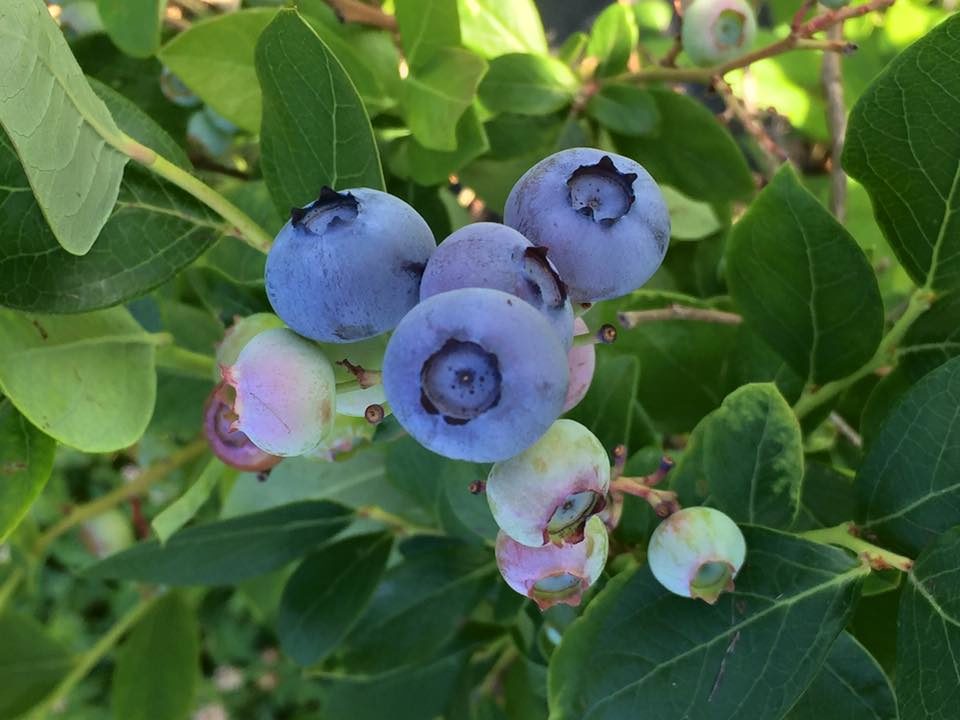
[696, 553]
[601, 216]
[475, 374]
[549, 491]
[491, 255]
[348, 265]
[285, 393]
[717, 30]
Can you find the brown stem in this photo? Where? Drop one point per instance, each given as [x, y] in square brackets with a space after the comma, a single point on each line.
[358, 12]
[798, 40]
[773, 154]
[675, 311]
[832, 80]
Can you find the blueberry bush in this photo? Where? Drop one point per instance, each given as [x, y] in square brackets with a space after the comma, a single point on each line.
[479, 359]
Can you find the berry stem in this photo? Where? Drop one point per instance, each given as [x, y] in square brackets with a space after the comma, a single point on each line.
[243, 226]
[846, 535]
[606, 335]
[663, 502]
[631, 318]
[918, 304]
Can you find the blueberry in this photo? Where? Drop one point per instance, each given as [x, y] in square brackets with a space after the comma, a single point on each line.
[347, 266]
[107, 533]
[549, 491]
[285, 393]
[581, 361]
[490, 255]
[475, 374]
[175, 91]
[554, 574]
[715, 31]
[696, 553]
[230, 445]
[601, 216]
[241, 332]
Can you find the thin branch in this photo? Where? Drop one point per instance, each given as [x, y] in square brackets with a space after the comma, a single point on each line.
[798, 40]
[845, 429]
[631, 319]
[354, 11]
[832, 79]
[143, 481]
[773, 154]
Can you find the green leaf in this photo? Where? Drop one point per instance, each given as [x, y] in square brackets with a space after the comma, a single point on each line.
[441, 487]
[327, 594]
[625, 109]
[409, 159]
[751, 655]
[527, 84]
[62, 131]
[692, 152]
[612, 39]
[157, 671]
[436, 96]
[427, 27]
[828, 498]
[419, 692]
[902, 144]
[181, 511]
[513, 136]
[928, 633]
[225, 552]
[909, 483]
[133, 25]
[26, 461]
[746, 459]
[496, 27]
[850, 685]
[315, 130]
[419, 604]
[86, 380]
[682, 363]
[32, 663]
[610, 408]
[215, 59]
[153, 231]
[689, 219]
[932, 339]
[803, 283]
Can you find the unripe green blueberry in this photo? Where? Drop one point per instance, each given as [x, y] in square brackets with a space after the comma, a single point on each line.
[546, 493]
[717, 30]
[285, 392]
[696, 553]
[554, 574]
[240, 333]
[107, 533]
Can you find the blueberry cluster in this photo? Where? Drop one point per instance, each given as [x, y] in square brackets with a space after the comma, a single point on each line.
[481, 359]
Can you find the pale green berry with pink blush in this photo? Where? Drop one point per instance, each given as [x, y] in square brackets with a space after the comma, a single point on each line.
[697, 552]
[243, 330]
[715, 31]
[548, 492]
[285, 392]
[554, 574]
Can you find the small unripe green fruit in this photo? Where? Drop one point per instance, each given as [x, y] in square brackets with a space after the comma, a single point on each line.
[696, 553]
[715, 31]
